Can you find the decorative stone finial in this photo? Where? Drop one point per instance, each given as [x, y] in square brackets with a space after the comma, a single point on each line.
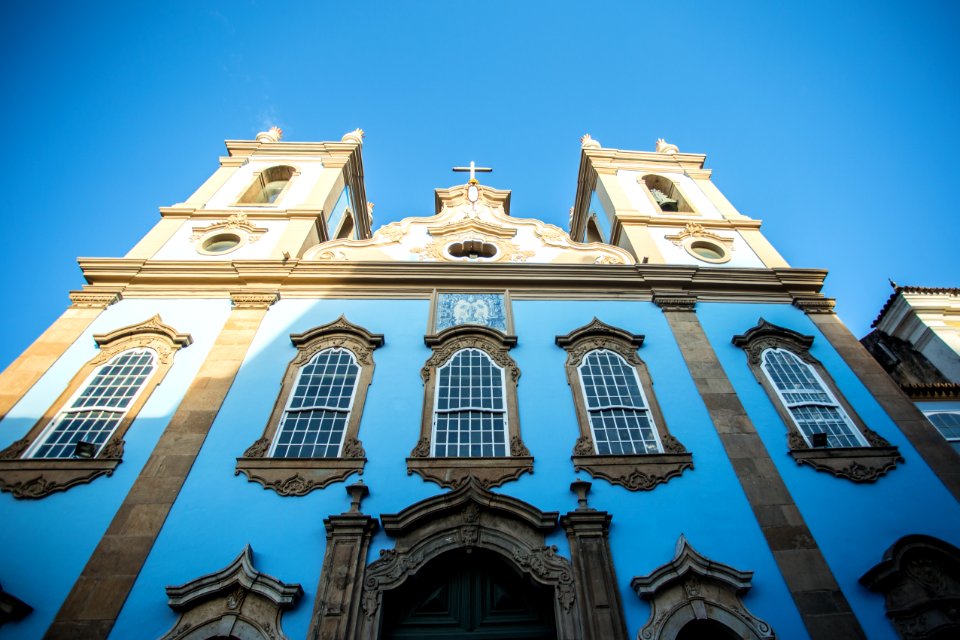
[581, 488]
[665, 147]
[356, 135]
[271, 135]
[357, 492]
[370, 206]
[587, 142]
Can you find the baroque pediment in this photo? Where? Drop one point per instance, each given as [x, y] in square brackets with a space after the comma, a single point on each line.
[474, 232]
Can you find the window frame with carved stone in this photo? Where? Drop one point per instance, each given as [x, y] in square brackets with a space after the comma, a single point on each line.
[26, 476]
[637, 471]
[293, 476]
[864, 463]
[491, 471]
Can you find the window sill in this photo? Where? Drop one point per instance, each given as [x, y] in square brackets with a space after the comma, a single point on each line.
[858, 464]
[34, 478]
[635, 472]
[451, 473]
[298, 476]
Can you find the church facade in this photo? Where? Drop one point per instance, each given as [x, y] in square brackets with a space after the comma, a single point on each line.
[268, 420]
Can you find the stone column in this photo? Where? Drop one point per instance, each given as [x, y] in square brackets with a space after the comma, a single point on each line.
[26, 370]
[601, 610]
[341, 578]
[825, 611]
[92, 607]
[942, 459]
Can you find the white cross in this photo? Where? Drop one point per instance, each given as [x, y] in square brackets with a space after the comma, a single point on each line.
[472, 169]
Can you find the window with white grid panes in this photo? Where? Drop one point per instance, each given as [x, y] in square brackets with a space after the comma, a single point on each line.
[94, 414]
[470, 412]
[318, 410]
[809, 401]
[620, 418]
[948, 424]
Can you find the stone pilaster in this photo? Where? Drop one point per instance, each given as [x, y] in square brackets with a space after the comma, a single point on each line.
[341, 578]
[825, 611]
[92, 607]
[27, 369]
[587, 532]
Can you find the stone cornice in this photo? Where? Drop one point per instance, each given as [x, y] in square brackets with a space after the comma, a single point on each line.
[141, 278]
[640, 160]
[661, 220]
[91, 300]
[323, 150]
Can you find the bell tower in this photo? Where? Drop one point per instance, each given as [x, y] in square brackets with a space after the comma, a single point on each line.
[663, 208]
[268, 200]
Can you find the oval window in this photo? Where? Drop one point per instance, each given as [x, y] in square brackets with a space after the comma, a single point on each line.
[708, 250]
[221, 243]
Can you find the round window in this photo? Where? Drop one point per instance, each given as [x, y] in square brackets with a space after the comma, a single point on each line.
[221, 243]
[708, 251]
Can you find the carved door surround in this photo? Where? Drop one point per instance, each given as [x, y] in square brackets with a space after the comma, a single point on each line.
[858, 464]
[692, 588]
[637, 472]
[39, 477]
[465, 519]
[300, 476]
[237, 602]
[451, 472]
[920, 578]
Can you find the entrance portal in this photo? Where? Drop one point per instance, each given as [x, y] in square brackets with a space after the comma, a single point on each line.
[475, 596]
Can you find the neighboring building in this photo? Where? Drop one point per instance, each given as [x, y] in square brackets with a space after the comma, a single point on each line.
[916, 339]
[651, 425]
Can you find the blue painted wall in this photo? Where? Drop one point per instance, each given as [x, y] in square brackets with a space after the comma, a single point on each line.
[218, 513]
[44, 544]
[853, 523]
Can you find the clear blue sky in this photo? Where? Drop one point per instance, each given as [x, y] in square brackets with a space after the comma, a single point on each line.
[835, 123]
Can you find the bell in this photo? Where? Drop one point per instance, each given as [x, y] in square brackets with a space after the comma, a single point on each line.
[665, 202]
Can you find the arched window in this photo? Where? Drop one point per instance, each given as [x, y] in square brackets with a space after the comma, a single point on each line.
[311, 439]
[85, 424]
[593, 230]
[268, 185]
[470, 416]
[665, 194]
[811, 405]
[623, 435]
[85, 438]
[823, 430]
[470, 425]
[314, 422]
[345, 232]
[620, 418]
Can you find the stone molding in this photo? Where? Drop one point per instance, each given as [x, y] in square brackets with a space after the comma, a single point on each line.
[300, 476]
[815, 304]
[692, 587]
[919, 577]
[675, 302]
[641, 472]
[857, 464]
[253, 299]
[451, 472]
[90, 300]
[237, 601]
[33, 478]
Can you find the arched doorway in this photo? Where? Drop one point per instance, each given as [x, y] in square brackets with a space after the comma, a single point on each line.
[469, 595]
